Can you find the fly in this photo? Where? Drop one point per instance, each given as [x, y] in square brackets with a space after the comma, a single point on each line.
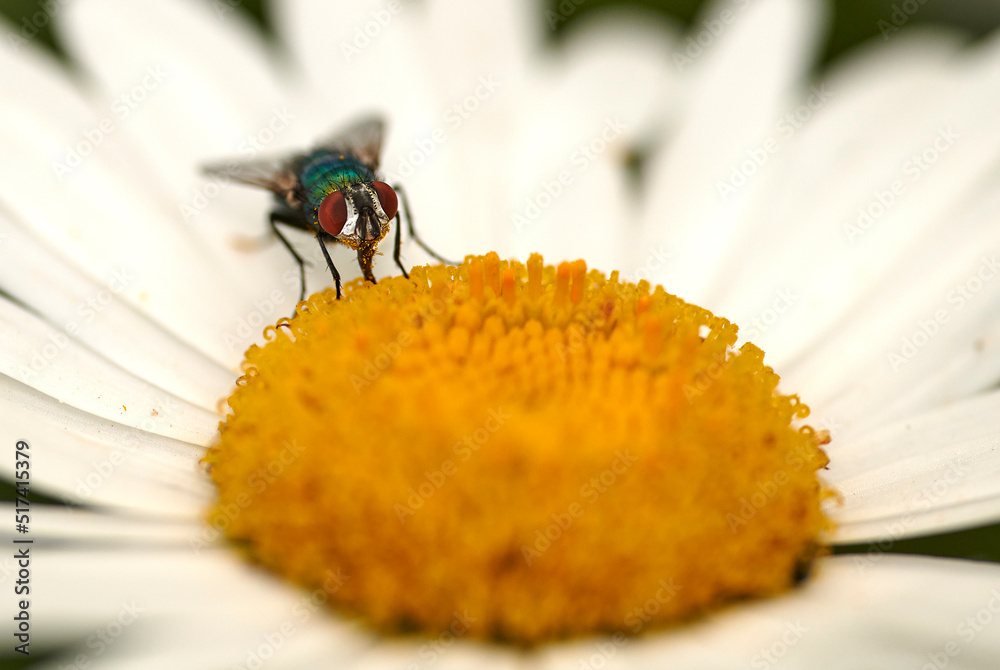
[335, 192]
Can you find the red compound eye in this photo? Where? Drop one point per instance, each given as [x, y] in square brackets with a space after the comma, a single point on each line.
[333, 213]
[387, 197]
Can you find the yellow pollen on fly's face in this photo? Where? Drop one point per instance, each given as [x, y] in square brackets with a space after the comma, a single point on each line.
[517, 452]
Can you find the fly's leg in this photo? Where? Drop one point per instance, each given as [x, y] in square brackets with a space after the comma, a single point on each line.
[413, 233]
[329, 263]
[395, 248]
[290, 220]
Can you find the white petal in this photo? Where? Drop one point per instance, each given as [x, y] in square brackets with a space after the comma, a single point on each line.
[162, 603]
[890, 614]
[740, 85]
[90, 312]
[33, 73]
[79, 527]
[935, 472]
[918, 170]
[822, 147]
[99, 211]
[73, 374]
[84, 459]
[446, 651]
[216, 89]
[617, 64]
[185, 591]
[569, 196]
[925, 337]
[896, 611]
[360, 57]
[472, 40]
[578, 212]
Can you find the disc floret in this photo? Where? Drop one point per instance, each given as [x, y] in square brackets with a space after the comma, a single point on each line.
[534, 449]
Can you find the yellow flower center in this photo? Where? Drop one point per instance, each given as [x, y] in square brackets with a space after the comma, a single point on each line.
[518, 453]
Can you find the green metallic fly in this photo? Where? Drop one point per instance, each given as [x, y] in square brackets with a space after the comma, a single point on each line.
[333, 191]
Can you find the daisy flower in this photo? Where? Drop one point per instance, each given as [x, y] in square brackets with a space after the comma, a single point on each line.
[846, 225]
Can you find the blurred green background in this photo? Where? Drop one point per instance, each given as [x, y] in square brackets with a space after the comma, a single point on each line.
[852, 23]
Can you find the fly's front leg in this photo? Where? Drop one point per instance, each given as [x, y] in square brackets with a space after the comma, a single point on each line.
[329, 262]
[395, 248]
[412, 231]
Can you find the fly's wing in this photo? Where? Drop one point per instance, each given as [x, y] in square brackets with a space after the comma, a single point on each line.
[275, 174]
[363, 139]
